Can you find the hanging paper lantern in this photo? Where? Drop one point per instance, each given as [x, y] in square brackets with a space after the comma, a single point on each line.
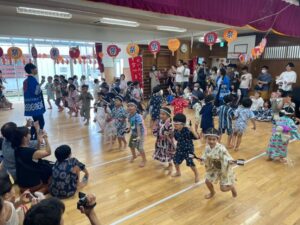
[230, 35]
[34, 53]
[173, 45]
[54, 53]
[112, 50]
[132, 50]
[1, 52]
[210, 39]
[74, 52]
[154, 47]
[14, 53]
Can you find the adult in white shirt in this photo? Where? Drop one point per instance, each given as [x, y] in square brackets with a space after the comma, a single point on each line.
[123, 84]
[179, 72]
[286, 79]
[186, 75]
[246, 82]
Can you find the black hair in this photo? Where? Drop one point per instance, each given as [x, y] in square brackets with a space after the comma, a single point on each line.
[181, 61]
[184, 63]
[0, 71]
[47, 212]
[5, 184]
[222, 71]
[71, 79]
[56, 76]
[156, 89]
[62, 152]
[85, 86]
[62, 76]
[56, 80]
[269, 103]
[258, 93]
[19, 134]
[227, 99]
[179, 117]
[83, 77]
[75, 77]
[235, 85]
[212, 131]
[245, 68]
[215, 69]
[290, 64]
[167, 110]
[72, 86]
[49, 77]
[136, 83]
[122, 75]
[29, 67]
[209, 98]
[96, 81]
[246, 102]
[8, 129]
[265, 67]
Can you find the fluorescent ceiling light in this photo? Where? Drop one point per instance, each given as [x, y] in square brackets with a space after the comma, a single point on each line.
[125, 23]
[173, 29]
[44, 12]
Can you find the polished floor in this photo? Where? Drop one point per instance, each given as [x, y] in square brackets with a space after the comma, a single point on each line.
[268, 192]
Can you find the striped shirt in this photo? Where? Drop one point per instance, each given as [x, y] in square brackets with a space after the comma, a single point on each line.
[226, 114]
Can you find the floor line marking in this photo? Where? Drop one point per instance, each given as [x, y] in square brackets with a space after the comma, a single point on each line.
[140, 211]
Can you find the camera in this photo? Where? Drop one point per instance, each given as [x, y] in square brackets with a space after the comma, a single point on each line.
[83, 201]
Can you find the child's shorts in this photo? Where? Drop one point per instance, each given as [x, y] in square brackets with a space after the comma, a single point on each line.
[139, 145]
[178, 159]
[228, 131]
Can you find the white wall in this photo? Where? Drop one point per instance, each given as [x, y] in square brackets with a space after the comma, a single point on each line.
[245, 40]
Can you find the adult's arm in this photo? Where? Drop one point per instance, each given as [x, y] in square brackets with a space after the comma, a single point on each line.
[293, 80]
[42, 153]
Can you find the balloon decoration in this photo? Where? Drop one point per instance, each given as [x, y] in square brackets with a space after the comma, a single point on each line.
[112, 50]
[173, 45]
[74, 52]
[54, 53]
[14, 53]
[210, 39]
[133, 50]
[230, 35]
[154, 47]
[34, 53]
[1, 52]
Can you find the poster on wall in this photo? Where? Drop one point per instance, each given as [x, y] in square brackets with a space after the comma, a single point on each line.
[136, 69]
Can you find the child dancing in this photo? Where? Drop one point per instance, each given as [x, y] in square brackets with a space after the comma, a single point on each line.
[73, 100]
[99, 110]
[185, 147]
[164, 145]
[86, 99]
[155, 105]
[109, 124]
[207, 120]
[50, 90]
[179, 103]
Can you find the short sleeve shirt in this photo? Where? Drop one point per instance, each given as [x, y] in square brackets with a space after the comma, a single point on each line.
[135, 121]
[246, 79]
[184, 140]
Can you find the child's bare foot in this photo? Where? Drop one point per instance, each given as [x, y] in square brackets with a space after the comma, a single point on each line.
[176, 174]
[234, 193]
[142, 164]
[132, 159]
[210, 195]
[282, 160]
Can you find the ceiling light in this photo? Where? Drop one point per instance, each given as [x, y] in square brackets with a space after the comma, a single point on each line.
[44, 12]
[173, 29]
[125, 23]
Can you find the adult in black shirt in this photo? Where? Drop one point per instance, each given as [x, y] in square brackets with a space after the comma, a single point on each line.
[202, 75]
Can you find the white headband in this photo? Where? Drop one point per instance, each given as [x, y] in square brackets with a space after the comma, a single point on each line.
[165, 111]
[214, 135]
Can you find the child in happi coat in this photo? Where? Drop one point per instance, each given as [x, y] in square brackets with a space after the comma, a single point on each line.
[58, 94]
[50, 90]
[185, 147]
[109, 124]
[99, 111]
[119, 115]
[179, 103]
[218, 165]
[155, 105]
[284, 129]
[243, 114]
[73, 100]
[137, 129]
[164, 145]
[85, 99]
[206, 112]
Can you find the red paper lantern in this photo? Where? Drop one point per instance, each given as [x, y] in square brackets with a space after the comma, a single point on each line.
[113, 51]
[210, 39]
[154, 47]
[74, 52]
[34, 53]
[1, 52]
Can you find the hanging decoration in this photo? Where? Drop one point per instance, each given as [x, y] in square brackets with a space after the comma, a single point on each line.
[74, 52]
[133, 49]
[1, 52]
[34, 53]
[14, 53]
[173, 45]
[112, 50]
[154, 47]
[258, 50]
[245, 59]
[230, 35]
[210, 39]
[54, 53]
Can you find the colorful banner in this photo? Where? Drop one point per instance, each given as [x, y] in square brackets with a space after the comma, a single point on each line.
[98, 48]
[136, 69]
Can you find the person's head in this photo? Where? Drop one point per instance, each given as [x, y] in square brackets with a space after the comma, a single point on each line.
[56, 76]
[7, 191]
[122, 76]
[289, 66]
[196, 86]
[21, 137]
[165, 113]
[279, 93]
[84, 88]
[100, 95]
[49, 79]
[180, 62]
[227, 99]
[214, 70]
[267, 104]
[185, 65]
[82, 77]
[264, 69]
[222, 72]
[70, 80]
[72, 87]
[246, 102]
[209, 99]
[47, 212]
[154, 68]
[75, 78]
[288, 98]
[204, 64]
[136, 84]
[56, 81]
[179, 121]
[96, 81]
[31, 69]
[61, 78]
[245, 69]
[8, 131]
[212, 136]
[0, 73]
[63, 152]
[119, 100]
[156, 89]
[257, 94]
[234, 86]
[132, 107]
[177, 87]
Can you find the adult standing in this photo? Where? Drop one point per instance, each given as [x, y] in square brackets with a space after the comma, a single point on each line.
[186, 75]
[171, 76]
[264, 80]
[123, 84]
[202, 75]
[287, 79]
[154, 76]
[232, 73]
[33, 96]
[223, 87]
[246, 82]
[179, 73]
[195, 73]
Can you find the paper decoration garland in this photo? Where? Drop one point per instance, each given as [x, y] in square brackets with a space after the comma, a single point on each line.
[14, 53]
[257, 51]
[133, 50]
[74, 52]
[112, 50]
[154, 47]
[34, 53]
[1, 52]
[54, 53]
[230, 35]
[210, 39]
[173, 45]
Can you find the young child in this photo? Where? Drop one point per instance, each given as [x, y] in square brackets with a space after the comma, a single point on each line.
[155, 105]
[218, 165]
[276, 103]
[4, 103]
[58, 95]
[66, 173]
[257, 102]
[236, 95]
[86, 99]
[197, 108]
[164, 145]
[137, 128]
[109, 125]
[50, 90]
[207, 120]
[226, 114]
[119, 115]
[243, 114]
[99, 111]
[185, 147]
[137, 95]
[179, 103]
[72, 100]
[265, 113]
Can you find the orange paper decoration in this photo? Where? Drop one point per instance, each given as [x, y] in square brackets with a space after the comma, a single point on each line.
[230, 35]
[173, 45]
[14, 53]
[133, 50]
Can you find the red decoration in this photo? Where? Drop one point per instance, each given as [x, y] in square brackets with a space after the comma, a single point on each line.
[154, 47]
[112, 50]
[1, 52]
[210, 39]
[34, 53]
[54, 53]
[136, 69]
[74, 52]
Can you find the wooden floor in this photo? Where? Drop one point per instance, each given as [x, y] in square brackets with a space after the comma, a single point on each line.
[268, 192]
